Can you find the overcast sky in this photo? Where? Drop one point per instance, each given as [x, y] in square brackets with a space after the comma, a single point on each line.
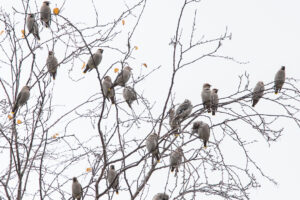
[264, 33]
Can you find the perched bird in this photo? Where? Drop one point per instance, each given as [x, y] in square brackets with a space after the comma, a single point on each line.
[22, 98]
[76, 189]
[112, 178]
[214, 99]
[279, 79]
[52, 64]
[204, 133]
[152, 145]
[108, 90]
[32, 26]
[45, 13]
[129, 95]
[206, 93]
[196, 126]
[94, 60]
[184, 110]
[174, 123]
[258, 92]
[176, 159]
[161, 196]
[123, 77]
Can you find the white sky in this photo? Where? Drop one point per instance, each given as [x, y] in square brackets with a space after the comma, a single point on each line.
[265, 33]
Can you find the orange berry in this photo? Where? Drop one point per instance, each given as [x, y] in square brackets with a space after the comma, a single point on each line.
[56, 11]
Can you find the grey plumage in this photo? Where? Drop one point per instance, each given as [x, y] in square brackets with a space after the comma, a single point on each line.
[108, 90]
[204, 132]
[196, 126]
[152, 145]
[123, 77]
[174, 123]
[45, 14]
[279, 79]
[129, 95]
[258, 92]
[214, 99]
[206, 93]
[171, 115]
[22, 98]
[161, 196]
[94, 60]
[52, 64]
[176, 159]
[76, 189]
[112, 178]
[32, 26]
[184, 110]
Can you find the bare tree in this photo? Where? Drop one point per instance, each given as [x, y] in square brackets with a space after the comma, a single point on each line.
[42, 153]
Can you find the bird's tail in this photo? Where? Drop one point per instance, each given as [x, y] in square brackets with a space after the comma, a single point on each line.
[205, 144]
[157, 156]
[15, 108]
[117, 191]
[172, 169]
[53, 75]
[213, 112]
[113, 101]
[254, 102]
[86, 69]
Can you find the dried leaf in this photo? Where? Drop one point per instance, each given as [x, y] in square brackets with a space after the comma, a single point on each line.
[123, 22]
[83, 65]
[136, 47]
[23, 33]
[88, 169]
[145, 65]
[9, 117]
[1, 32]
[19, 121]
[116, 70]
